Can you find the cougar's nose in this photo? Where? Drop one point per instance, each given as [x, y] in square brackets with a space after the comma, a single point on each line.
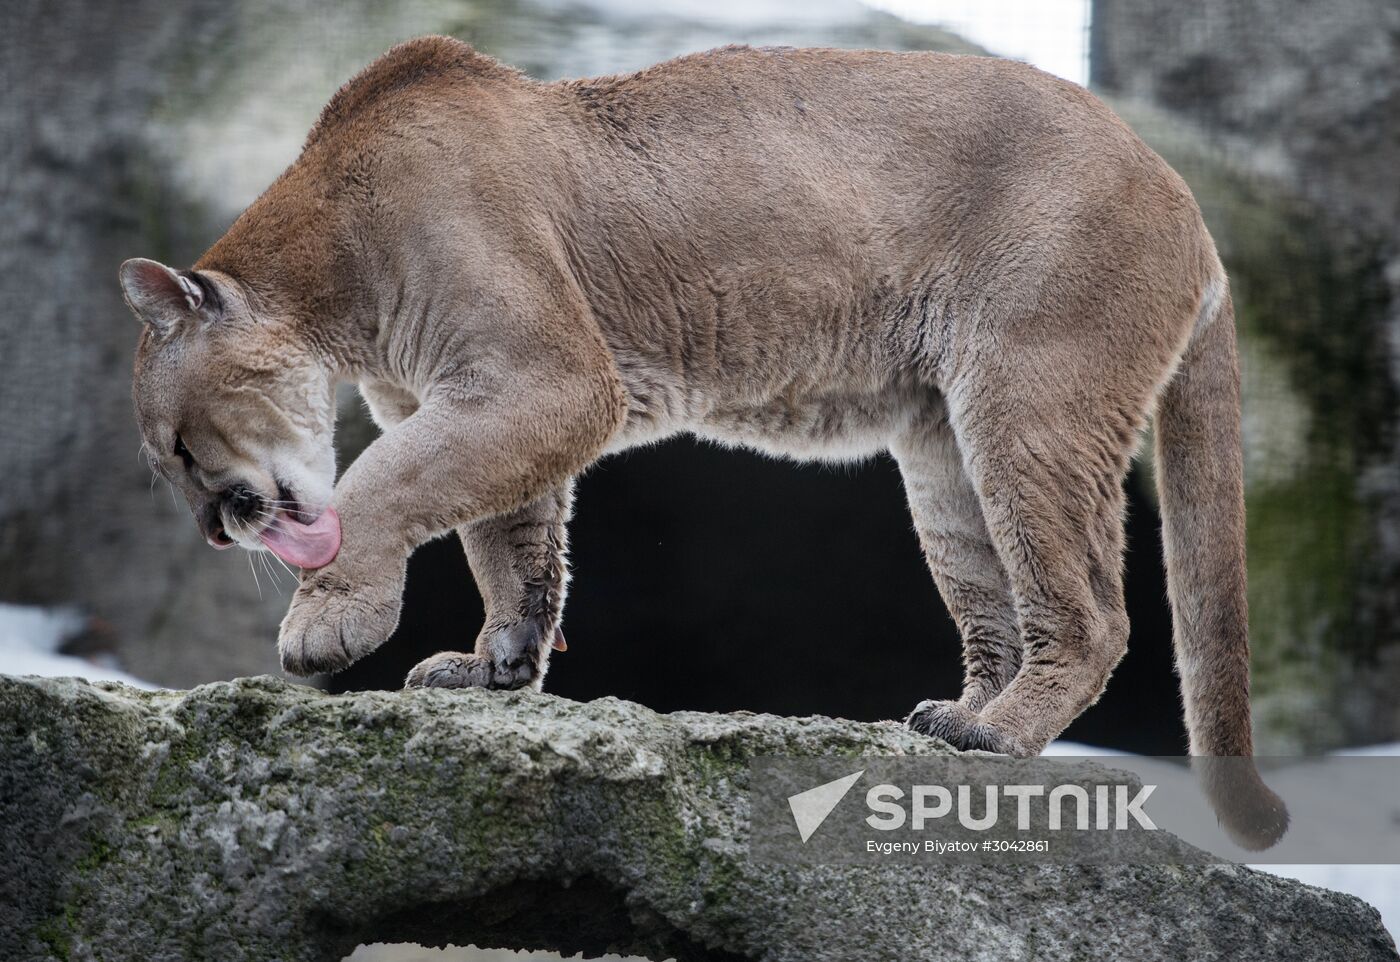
[240, 502]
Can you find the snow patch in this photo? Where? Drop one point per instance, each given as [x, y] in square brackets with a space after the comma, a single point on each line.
[30, 637]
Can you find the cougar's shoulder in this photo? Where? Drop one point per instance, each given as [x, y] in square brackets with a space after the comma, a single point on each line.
[422, 67]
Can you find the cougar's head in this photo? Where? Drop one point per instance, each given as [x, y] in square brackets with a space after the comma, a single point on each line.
[236, 411]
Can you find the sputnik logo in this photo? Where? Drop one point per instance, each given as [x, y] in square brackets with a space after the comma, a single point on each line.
[810, 808]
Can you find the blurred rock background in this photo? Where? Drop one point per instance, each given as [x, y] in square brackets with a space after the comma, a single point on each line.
[709, 579]
[145, 128]
[1297, 106]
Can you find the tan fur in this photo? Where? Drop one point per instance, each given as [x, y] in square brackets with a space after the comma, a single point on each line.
[818, 253]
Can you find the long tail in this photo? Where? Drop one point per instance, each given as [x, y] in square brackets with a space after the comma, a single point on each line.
[1200, 480]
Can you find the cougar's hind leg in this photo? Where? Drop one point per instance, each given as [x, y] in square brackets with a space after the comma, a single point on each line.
[519, 561]
[1049, 478]
[963, 561]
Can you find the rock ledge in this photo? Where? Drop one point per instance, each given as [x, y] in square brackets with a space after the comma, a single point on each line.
[256, 820]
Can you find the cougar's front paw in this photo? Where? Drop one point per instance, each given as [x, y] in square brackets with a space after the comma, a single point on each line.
[513, 656]
[960, 727]
[450, 669]
[456, 669]
[335, 621]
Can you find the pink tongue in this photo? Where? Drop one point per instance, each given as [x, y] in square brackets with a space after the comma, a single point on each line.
[311, 545]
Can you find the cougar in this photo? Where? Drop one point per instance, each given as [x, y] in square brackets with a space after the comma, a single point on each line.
[827, 254]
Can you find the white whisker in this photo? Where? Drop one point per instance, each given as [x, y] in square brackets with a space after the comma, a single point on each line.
[262, 563]
[255, 574]
[286, 566]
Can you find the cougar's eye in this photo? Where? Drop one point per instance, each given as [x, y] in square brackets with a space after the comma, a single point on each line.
[182, 452]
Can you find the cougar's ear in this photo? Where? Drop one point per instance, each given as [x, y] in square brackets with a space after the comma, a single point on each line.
[158, 295]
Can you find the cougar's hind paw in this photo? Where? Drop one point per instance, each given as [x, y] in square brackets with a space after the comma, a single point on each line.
[960, 727]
